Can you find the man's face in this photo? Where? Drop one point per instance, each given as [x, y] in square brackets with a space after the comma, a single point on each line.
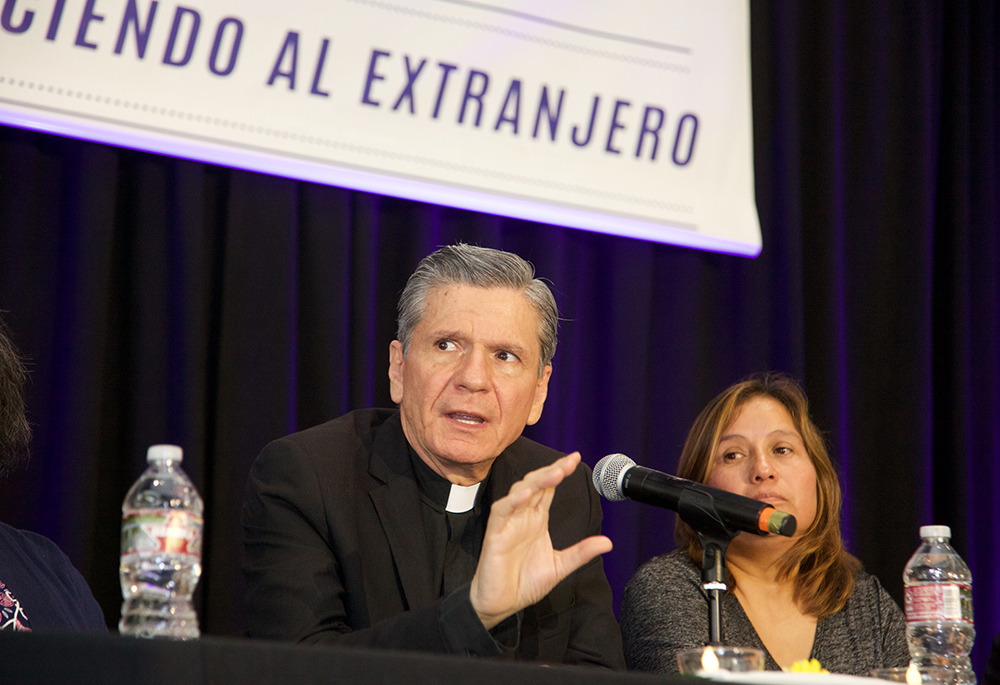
[469, 383]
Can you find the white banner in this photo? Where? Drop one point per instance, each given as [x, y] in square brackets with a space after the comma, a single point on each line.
[629, 117]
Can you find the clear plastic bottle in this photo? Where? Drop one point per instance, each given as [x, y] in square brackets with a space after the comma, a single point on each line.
[161, 550]
[938, 604]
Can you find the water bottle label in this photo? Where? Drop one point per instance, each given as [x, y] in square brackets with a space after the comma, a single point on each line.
[937, 602]
[153, 530]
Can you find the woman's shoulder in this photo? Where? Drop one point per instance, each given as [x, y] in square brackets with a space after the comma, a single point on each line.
[671, 566]
[31, 546]
[872, 600]
[867, 586]
[665, 591]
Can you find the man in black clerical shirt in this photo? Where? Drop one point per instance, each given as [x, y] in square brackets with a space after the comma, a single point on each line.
[437, 526]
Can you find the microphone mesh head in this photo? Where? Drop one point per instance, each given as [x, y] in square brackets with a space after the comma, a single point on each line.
[607, 476]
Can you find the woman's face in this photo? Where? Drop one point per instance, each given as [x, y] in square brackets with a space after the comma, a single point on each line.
[762, 456]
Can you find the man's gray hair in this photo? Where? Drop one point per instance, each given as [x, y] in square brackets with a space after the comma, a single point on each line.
[480, 267]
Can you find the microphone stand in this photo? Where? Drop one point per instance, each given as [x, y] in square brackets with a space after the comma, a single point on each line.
[697, 509]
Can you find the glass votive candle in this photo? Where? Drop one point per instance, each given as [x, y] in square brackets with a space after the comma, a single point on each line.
[916, 674]
[702, 661]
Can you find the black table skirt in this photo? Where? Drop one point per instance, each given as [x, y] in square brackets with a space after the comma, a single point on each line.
[76, 659]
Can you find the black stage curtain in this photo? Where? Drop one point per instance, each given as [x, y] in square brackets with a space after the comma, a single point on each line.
[166, 300]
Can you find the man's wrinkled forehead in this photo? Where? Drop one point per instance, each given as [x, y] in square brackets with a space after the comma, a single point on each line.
[448, 316]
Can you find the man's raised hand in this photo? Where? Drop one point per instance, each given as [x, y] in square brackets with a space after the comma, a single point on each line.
[517, 566]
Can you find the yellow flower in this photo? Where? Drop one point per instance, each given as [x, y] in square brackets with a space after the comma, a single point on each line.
[807, 666]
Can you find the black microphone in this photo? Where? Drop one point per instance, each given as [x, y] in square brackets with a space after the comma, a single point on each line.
[617, 477]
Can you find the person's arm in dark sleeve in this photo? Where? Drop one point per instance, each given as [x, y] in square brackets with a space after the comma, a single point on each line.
[595, 637]
[991, 674]
[294, 577]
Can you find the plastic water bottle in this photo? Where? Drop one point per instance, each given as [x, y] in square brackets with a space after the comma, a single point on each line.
[938, 604]
[161, 550]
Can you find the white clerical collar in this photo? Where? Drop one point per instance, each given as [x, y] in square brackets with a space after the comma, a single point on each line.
[461, 498]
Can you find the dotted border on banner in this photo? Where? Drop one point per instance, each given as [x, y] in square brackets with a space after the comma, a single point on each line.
[339, 145]
[618, 56]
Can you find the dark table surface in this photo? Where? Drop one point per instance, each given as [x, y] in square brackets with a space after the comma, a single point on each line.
[84, 659]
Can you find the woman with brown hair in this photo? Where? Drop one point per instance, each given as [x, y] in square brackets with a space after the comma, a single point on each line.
[794, 598]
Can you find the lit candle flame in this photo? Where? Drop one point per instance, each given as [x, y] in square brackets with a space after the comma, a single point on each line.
[913, 675]
[710, 662]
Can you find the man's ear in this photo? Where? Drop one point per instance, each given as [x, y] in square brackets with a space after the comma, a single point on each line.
[541, 392]
[396, 371]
